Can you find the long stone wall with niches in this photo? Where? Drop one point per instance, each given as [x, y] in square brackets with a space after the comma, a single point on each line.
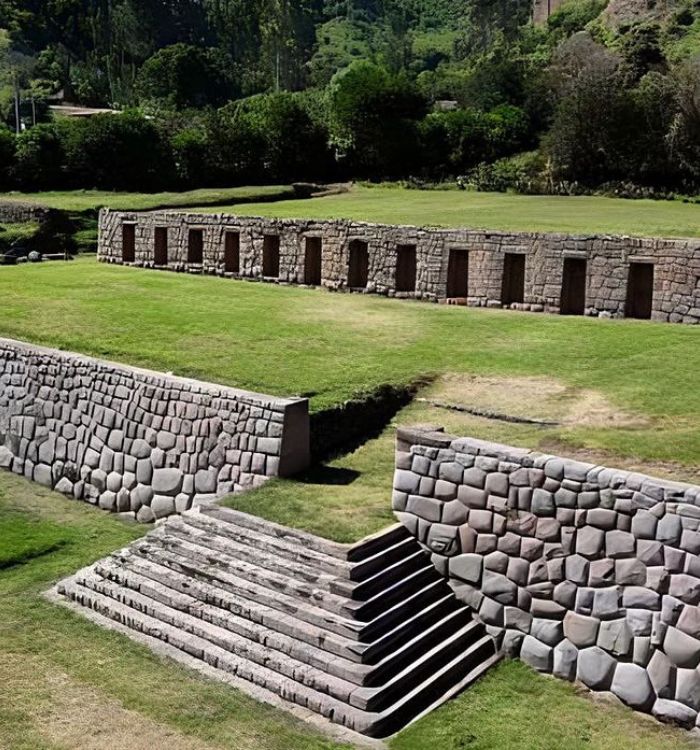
[589, 573]
[135, 441]
[587, 275]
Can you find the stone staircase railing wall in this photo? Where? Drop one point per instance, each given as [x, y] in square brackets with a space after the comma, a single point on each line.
[136, 441]
[589, 573]
[592, 275]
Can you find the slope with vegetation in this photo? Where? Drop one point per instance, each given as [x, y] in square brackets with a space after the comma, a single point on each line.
[282, 90]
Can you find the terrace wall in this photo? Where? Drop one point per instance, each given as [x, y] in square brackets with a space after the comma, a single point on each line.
[585, 572]
[136, 441]
[674, 294]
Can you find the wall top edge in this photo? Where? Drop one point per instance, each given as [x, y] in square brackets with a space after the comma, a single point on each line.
[432, 437]
[157, 378]
[227, 218]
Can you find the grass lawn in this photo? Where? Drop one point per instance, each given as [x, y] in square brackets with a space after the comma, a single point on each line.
[453, 208]
[69, 684]
[90, 200]
[289, 340]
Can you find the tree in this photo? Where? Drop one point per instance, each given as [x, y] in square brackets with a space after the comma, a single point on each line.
[373, 120]
[182, 76]
[39, 158]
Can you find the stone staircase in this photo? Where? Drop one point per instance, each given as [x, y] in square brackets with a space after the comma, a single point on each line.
[370, 636]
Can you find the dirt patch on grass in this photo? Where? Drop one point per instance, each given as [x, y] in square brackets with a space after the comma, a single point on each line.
[72, 715]
[534, 398]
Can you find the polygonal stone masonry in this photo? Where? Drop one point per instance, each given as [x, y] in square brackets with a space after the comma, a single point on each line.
[138, 442]
[589, 573]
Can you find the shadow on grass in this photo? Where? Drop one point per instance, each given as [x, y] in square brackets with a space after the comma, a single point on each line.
[332, 475]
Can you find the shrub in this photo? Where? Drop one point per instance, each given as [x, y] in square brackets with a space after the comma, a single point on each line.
[39, 158]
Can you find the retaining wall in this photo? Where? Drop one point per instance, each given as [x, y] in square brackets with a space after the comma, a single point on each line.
[591, 275]
[589, 573]
[136, 441]
[12, 212]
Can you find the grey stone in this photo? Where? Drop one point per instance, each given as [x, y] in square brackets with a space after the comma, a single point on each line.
[543, 503]
[640, 597]
[662, 674]
[406, 481]
[538, 655]
[688, 687]
[682, 649]
[512, 642]
[550, 632]
[632, 686]
[424, 507]
[602, 518]
[689, 621]
[580, 630]
[595, 668]
[615, 637]
[673, 712]
[619, 544]
[565, 661]
[514, 617]
[498, 587]
[162, 506]
[64, 486]
[167, 481]
[686, 588]
[668, 530]
[471, 497]
[590, 542]
[644, 525]
[467, 567]
[630, 572]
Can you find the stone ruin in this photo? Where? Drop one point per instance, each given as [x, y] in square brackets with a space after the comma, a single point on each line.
[592, 275]
[584, 572]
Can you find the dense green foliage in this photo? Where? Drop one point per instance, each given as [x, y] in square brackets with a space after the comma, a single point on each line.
[228, 92]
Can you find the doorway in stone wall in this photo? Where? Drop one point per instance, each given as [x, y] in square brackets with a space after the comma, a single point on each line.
[195, 246]
[573, 288]
[406, 268]
[513, 286]
[128, 243]
[458, 273]
[313, 255]
[358, 265]
[232, 252]
[271, 256]
[640, 291]
[160, 246]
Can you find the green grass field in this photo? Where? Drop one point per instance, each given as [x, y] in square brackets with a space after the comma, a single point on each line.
[70, 685]
[453, 208]
[90, 200]
[289, 340]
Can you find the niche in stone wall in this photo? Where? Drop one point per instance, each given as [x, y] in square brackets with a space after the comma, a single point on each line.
[406, 268]
[195, 246]
[312, 261]
[513, 287]
[128, 243]
[640, 290]
[160, 246]
[458, 273]
[271, 256]
[358, 265]
[573, 289]
[232, 252]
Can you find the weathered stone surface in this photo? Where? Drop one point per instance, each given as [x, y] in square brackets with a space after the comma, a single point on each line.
[97, 430]
[683, 650]
[582, 631]
[537, 654]
[565, 661]
[595, 668]
[674, 712]
[632, 686]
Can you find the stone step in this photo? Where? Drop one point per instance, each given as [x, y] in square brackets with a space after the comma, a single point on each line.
[423, 668]
[288, 689]
[301, 539]
[363, 590]
[262, 558]
[395, 592]
[395, 701]
[369, 635]
[159, 582]
[371, 545]
[210, 561]
[319, 669]
[256, 541]
[128, 588]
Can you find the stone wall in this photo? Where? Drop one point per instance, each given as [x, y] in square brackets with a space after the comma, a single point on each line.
[136, 441]
[674, 295]
[13, 212]
[585, 572]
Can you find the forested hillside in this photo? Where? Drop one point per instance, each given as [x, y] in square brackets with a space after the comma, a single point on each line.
[225, 91]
